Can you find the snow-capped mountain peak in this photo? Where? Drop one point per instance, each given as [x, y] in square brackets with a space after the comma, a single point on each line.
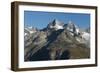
[30, 30]
[55, 24]
[72, 28]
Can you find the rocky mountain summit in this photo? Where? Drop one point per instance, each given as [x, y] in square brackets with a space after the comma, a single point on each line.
[57, 41]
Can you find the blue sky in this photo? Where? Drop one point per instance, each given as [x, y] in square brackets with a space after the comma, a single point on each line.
[41, 19]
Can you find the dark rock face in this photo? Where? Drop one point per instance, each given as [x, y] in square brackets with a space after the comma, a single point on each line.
[51, 44]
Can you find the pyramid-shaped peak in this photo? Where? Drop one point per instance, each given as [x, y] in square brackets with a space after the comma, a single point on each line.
[56, 21]
[55, 24]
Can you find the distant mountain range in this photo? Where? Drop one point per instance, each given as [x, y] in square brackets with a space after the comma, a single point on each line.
[56, 42]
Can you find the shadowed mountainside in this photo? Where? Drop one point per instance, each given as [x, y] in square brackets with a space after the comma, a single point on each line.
[56, 42]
